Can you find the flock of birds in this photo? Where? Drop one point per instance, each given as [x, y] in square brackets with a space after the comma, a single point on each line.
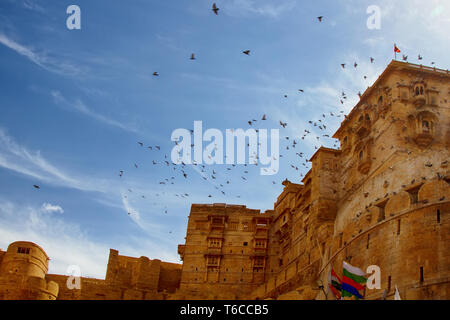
[317, 128]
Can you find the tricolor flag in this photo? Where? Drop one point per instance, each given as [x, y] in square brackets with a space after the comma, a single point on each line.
[396, 49]
[353, 281]
[334, 284]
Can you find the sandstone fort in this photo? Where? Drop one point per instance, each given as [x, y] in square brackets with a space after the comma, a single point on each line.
[382, 198]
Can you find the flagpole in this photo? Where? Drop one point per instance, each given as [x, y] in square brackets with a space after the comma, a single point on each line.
[342, 282]
[395, 52]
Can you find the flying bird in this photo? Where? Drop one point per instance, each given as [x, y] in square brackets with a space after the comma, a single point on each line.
[320, 18]
[264, 117]
[36, 186]
[343, 65]
[372, 60]
[247, 52]
[155, 74]
[192, 56]
[419, 57]
[215, 9]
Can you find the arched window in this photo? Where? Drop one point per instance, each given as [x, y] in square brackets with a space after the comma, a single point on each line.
[419, 90]
[425, 126]
[367, 117]
[380, 100]
[361, 154]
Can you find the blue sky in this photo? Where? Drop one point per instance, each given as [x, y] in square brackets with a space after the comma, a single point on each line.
[74, 104]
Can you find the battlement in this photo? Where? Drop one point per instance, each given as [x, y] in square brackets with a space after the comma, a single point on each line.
[225, 209]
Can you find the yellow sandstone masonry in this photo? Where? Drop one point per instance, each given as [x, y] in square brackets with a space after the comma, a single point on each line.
[381, 199]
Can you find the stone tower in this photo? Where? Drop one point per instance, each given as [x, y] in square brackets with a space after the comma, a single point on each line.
[23, 268]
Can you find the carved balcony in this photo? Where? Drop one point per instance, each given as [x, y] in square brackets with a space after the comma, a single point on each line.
[419, 100]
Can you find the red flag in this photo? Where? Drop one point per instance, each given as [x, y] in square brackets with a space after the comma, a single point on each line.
[396, 50]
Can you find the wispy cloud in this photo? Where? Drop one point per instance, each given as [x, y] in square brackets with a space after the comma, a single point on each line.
[260, 7]
[32, 5]
[42, 60]
[51, 208]
[64, 242]
[81, 107]
[18, 158]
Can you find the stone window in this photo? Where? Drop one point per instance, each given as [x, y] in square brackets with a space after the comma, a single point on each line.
[259, 261]
[23, 250]
[418, 90]
[260, 244]
[425, 126]
[245, 244]
[215, 243]
[414, 192]
[380, 100]
[233, 225]
[381, 206]
[213, 260]
[438, 215]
